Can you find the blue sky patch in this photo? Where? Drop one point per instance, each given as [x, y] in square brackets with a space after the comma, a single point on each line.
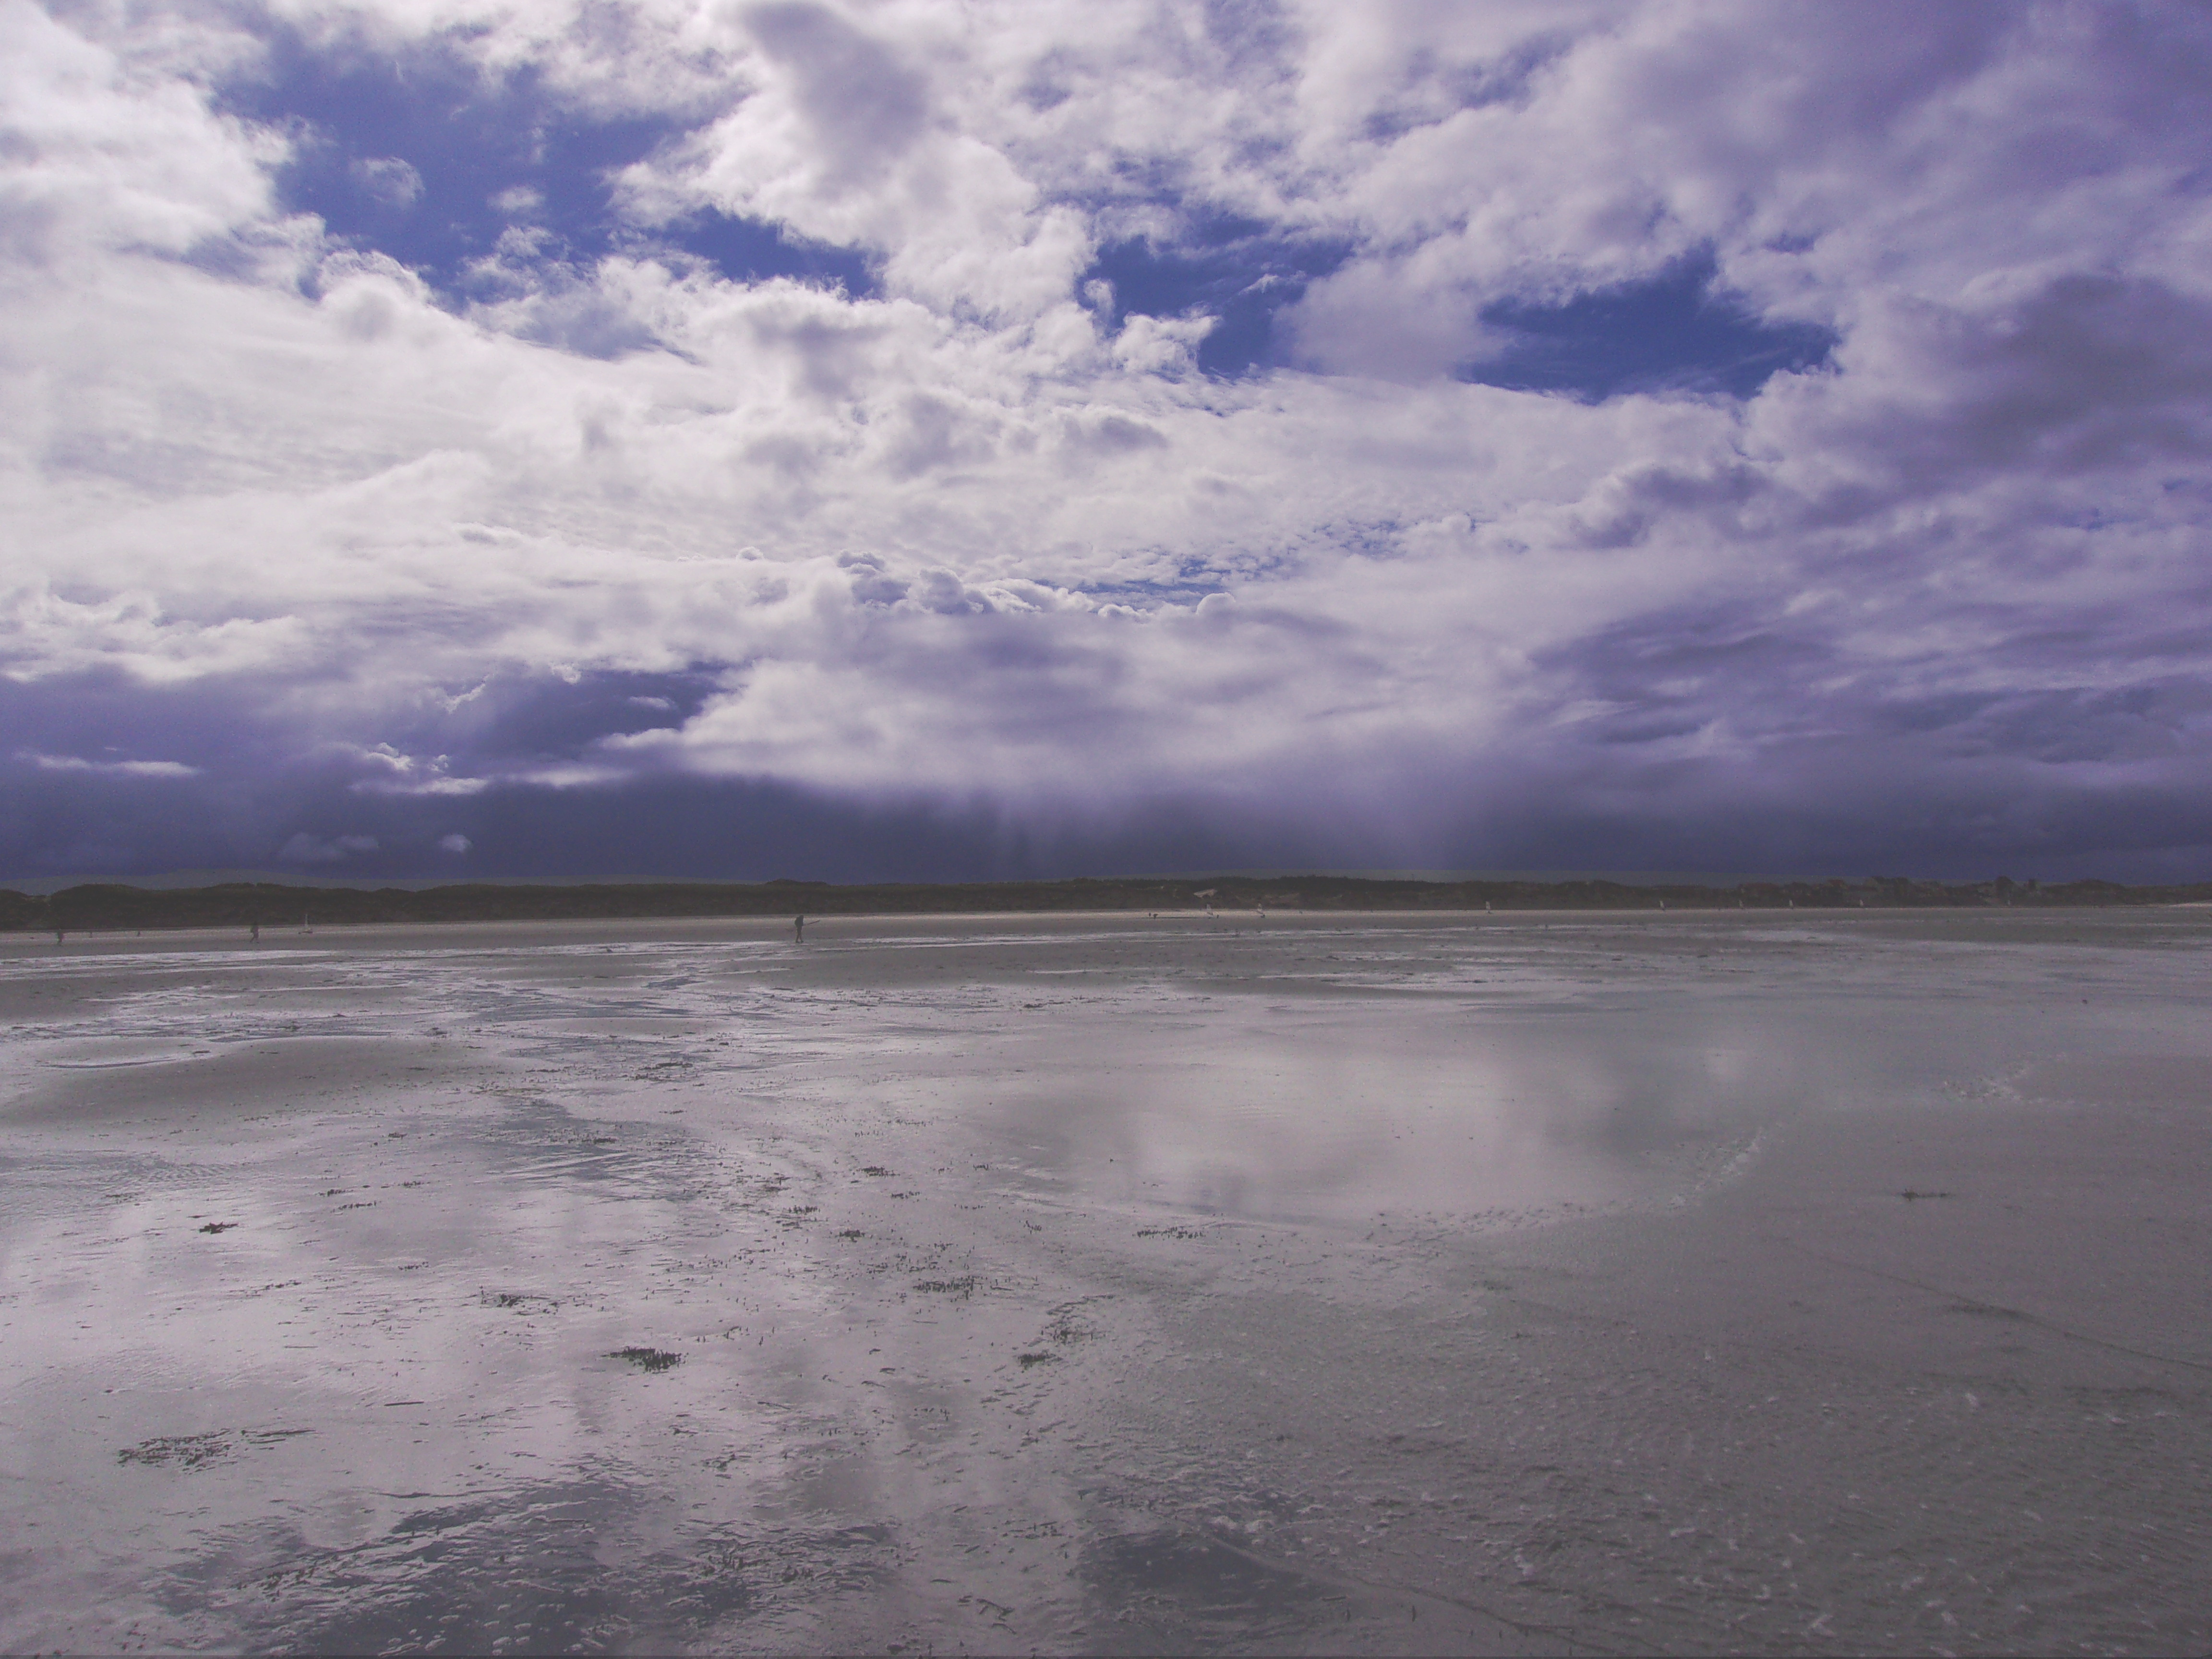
[1229, 270]
[1677, 331]
[420, 156]
[755, 250]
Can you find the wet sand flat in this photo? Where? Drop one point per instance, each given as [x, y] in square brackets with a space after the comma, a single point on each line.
[1697, 1282]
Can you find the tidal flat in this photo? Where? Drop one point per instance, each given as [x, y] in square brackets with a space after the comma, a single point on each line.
[1615, 1284]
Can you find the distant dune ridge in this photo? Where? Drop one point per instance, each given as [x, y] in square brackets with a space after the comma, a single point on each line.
[108, 905]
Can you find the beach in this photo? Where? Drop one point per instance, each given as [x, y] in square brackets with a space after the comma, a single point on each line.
[1391, 1283]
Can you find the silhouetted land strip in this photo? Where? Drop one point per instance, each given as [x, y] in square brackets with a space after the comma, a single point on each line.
[238, 904]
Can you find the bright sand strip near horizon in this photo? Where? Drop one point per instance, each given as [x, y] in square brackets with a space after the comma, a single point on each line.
[1695, 1283]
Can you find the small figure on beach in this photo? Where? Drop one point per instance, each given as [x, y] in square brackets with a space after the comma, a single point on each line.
[798, 930]
[58, 936]
[254, 928]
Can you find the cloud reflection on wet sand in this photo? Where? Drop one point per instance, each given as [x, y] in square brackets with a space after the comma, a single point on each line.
[1377, 1284]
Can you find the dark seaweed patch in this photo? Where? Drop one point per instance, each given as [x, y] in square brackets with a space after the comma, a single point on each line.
[648, 1359]
[184, 1451]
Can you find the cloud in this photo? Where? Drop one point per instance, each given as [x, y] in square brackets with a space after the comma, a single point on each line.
[861, 107]
[1390, 435]
[131, 769]
[396, 183]
[99, 153]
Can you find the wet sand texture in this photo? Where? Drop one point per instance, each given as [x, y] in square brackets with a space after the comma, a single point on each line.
[1384, 1284]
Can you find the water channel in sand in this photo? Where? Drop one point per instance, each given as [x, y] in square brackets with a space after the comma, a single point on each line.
[1704, 1282]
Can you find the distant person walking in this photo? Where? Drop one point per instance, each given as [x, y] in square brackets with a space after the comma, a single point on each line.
[798, 930]
[256, 929]
[58, 936]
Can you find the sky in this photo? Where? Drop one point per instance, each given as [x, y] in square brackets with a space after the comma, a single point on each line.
[944, 439]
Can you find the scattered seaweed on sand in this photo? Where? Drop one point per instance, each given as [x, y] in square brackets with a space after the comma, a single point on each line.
[1070, 1325]
[193, 1451]
[648, 1359]
[183, 1451]
[963, 1286]
[1912, 1196]
[218, 1226]
[1029, 1360]
[521, 1302]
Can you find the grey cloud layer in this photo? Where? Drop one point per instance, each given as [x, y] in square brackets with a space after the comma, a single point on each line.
[312, 550]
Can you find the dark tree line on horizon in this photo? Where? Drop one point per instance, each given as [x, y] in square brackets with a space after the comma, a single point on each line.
[104, 906]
